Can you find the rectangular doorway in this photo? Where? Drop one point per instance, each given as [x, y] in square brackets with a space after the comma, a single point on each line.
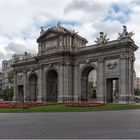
[112, 90]
[20, 93]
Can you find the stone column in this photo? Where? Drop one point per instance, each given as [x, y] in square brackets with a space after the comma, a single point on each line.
[39, 97]
[61, 83]
[44, 84]
[131, 81]
[65, 82]
[132, 76]
[68, 82]
[15, 87]
[100, 81]
[75, 83]
[124, 79]
[25, 85]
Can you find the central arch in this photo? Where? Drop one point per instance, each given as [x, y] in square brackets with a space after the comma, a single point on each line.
[52, 86]
[88, 84]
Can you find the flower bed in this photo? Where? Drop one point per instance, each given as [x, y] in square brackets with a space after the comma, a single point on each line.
[83, 104]
[21, 104]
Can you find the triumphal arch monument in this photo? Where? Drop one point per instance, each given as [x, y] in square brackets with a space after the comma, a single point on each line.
[59, 72]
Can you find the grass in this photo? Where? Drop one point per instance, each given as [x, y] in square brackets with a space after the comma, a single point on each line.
[63, 108]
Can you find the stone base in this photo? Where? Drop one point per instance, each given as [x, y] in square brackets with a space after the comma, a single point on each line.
[65, 98]
[39, 99]
[125, 99]
[100, 99]
[14, 99]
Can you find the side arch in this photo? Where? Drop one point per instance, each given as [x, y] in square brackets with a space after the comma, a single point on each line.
[33, 87]
[52, 85]
[88, 87]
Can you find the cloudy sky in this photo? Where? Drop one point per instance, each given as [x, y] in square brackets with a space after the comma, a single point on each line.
[20, 21]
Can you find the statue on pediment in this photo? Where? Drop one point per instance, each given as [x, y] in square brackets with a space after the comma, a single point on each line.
[59, 24]
[27, 55]
[15, 57]
[59, 27]
[102, 39]
[42, 31]
[125, 34]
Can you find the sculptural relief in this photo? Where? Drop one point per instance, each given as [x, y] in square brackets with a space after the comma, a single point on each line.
[112, 65]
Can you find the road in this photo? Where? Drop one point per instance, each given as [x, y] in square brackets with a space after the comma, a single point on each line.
[73, 125]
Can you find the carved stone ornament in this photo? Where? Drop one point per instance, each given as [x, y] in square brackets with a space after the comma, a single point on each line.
[42, 31]
[32, 70]
[87, 61]
[50, 65]
[122, 56]
[20, 76]
[111, 65]
[125, 34]
[102, 39]
[26, 55]
[15, 57]
[58, 28]
[100, 59]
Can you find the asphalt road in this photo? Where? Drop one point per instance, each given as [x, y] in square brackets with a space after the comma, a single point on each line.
[82, 125]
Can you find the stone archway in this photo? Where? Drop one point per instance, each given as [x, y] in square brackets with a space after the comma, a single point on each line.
[88, 89]
[33, 90]
[52, 86]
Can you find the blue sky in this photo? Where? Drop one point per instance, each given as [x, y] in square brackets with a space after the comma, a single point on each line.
[20, 21]
[118, 12]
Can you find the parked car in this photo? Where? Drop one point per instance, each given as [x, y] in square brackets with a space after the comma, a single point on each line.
[137, 99]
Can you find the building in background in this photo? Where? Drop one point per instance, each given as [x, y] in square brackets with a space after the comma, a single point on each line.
[137, 83]
[7, 67]
[0, 82]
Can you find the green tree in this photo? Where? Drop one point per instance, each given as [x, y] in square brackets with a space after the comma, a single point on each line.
[90, 88]
[136, 91]
[10, 77]
[7, 93]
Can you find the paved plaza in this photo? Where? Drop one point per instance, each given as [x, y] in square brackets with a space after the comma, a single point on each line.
[74, 125]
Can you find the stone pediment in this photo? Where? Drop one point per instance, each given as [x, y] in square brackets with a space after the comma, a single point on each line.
[56, 31]
[46, 35]
[50, 35]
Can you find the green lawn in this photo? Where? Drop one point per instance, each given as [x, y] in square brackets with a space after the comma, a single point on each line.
[63, 108]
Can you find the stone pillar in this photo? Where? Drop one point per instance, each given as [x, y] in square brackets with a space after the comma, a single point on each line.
[44, 84]
[124, 79]
[75, 83]
[15, 87]
[100, 81]
[132, 77]
[68, 82]
[25, 85]
[131, 81]
[39, 96]
[65, 83]
[61, 83]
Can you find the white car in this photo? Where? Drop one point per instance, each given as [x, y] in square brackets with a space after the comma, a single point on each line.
[137, 99]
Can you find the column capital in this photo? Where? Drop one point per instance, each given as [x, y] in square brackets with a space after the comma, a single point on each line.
[100, 59]
[25, 71]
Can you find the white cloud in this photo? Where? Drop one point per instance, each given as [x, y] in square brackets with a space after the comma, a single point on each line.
[20, 21]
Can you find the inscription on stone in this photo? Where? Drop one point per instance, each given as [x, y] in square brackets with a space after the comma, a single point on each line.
[51, 44]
